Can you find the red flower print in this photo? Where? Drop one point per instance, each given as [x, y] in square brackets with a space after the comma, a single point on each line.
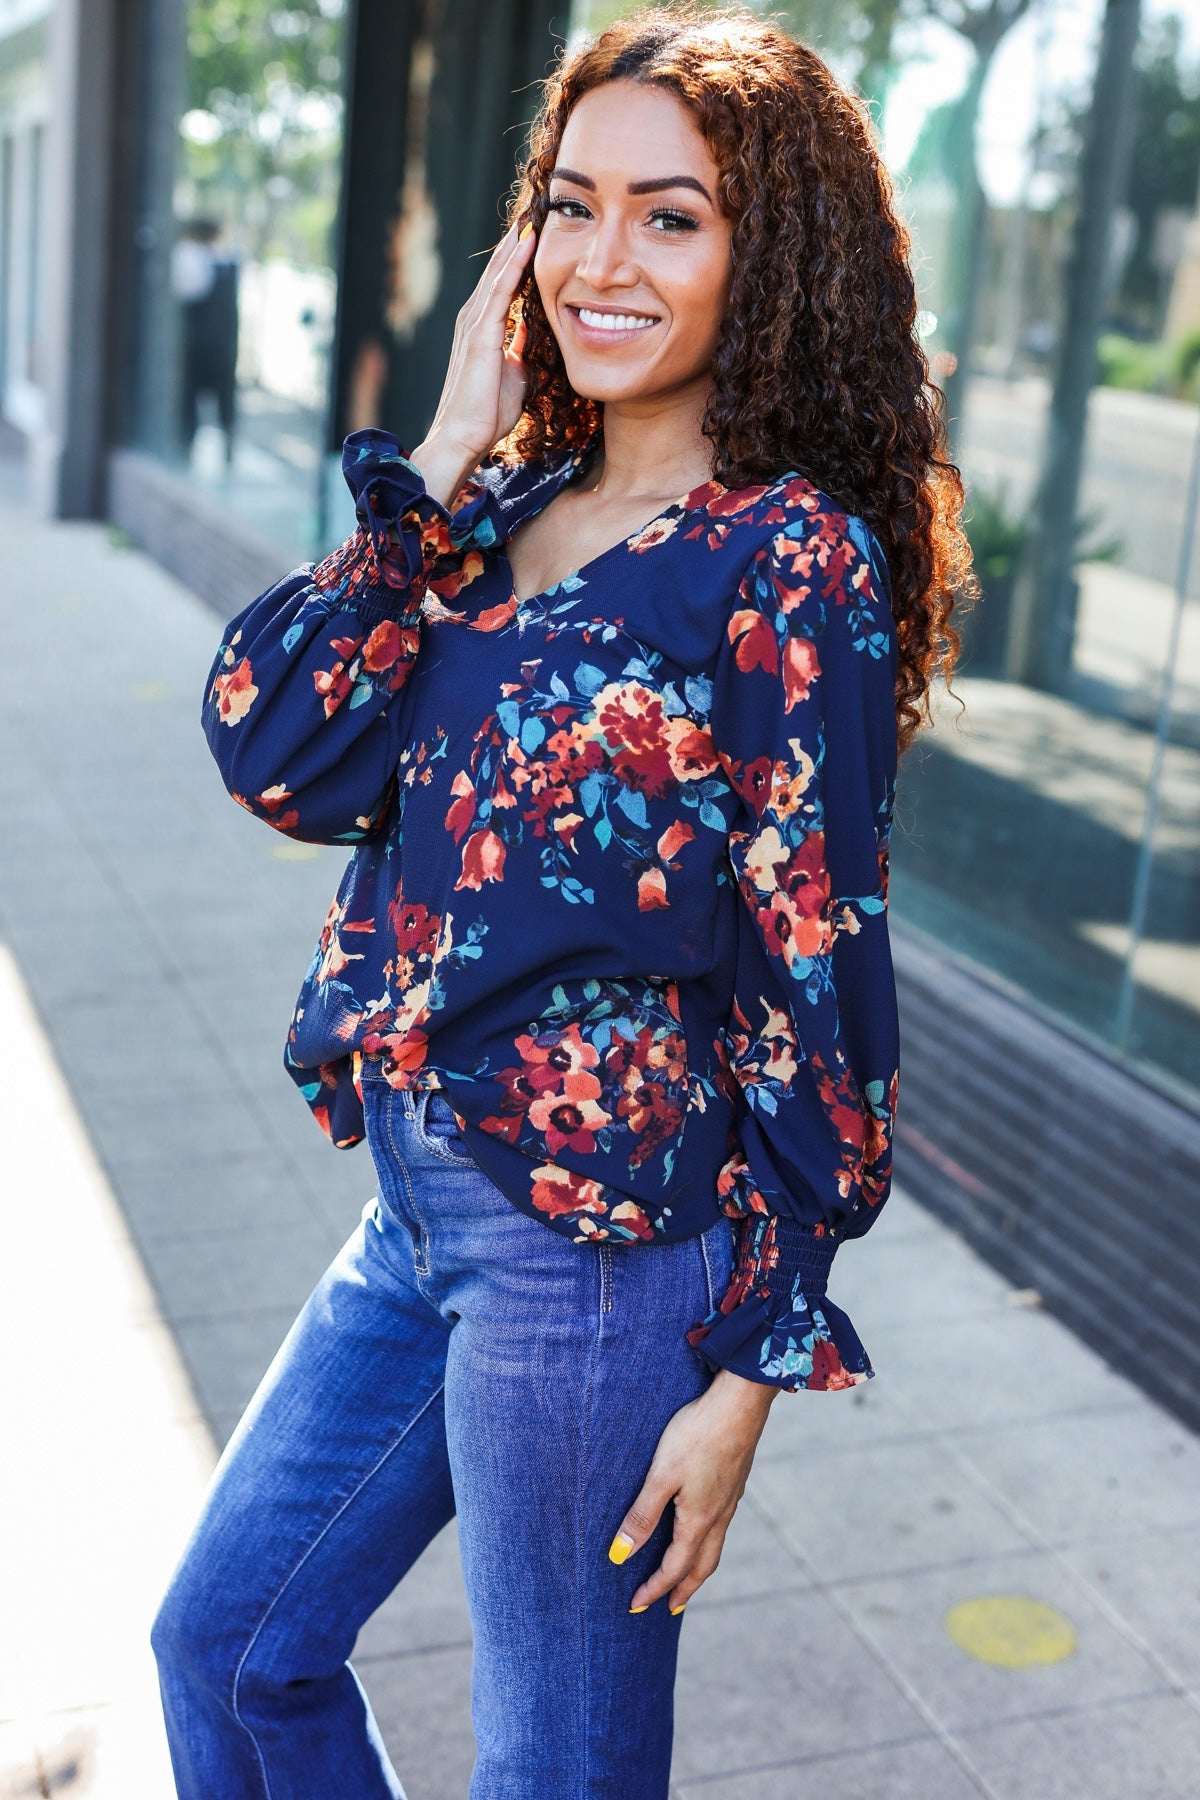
[691, 750]
[413, 926]
[557, 1191]
[492, 618]
[570, 1117]
[673, 839]
[756, 644]
[383, 646]
[236, 693]
[800, 670]
[633, 1219]
[461, 810]
[482, 860]
[631, 718]
[726, 503]
[652, 890]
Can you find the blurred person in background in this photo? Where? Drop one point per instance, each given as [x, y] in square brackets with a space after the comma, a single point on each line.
[606, 693]
[204, 279]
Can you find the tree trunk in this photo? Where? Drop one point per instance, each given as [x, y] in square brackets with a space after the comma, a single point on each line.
[1044, 614]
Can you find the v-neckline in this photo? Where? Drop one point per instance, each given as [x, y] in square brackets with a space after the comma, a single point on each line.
[571, 471]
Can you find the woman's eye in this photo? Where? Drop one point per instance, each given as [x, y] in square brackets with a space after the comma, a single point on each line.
[685, 220]
[677, 221]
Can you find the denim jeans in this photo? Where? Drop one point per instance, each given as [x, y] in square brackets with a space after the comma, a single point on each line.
[457, 1357]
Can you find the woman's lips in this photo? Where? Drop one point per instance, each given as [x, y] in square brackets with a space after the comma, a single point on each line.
[609, 334]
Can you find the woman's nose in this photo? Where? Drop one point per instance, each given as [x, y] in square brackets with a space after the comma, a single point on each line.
[605, 255]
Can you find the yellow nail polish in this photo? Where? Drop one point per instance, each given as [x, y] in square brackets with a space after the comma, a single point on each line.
[677, 1609]
[639, 1608]
[620, 1548]
[525, 230]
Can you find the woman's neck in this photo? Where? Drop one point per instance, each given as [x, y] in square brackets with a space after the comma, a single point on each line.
[647, 458]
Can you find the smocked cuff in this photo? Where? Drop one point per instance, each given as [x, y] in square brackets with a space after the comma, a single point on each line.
[775, 1324]
[406, 528]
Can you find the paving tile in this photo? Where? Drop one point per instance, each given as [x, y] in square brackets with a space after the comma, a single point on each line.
[211, 1190]
[141, 1131]
[881, 1510]
[905, 1217]
[204, 1274]
[1154, 1583]
[423, 1704]
[427, 1611]
[1134, 1750]
[919, 1770]
[875, 1280]
[228, 1357]
[1007, 1364]
[790, 1666]
[904, 1616]
[1116, 1473]
[855, 1418]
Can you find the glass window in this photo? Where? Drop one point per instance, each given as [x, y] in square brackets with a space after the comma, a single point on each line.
[1050, 832]
[238, 283]
[1050, 177]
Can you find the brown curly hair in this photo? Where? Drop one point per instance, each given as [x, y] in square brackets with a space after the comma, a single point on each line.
[818, 368]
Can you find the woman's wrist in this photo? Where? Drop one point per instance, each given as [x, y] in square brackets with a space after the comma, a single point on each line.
[750, 1397]
[443, 465]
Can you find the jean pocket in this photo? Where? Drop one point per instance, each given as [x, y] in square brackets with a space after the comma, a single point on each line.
[436, 1128]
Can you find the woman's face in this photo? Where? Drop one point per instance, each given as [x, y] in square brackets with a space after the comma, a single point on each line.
[661, 254]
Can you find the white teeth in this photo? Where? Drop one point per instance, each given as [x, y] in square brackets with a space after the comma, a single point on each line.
[614, 321]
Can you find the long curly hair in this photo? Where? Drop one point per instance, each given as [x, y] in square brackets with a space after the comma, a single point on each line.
[818, 367]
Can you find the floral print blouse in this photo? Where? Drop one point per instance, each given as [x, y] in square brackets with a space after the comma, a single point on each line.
[620, 862]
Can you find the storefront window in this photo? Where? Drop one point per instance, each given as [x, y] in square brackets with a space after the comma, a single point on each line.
[1052, 831]
[239, 287]
[1048, 167]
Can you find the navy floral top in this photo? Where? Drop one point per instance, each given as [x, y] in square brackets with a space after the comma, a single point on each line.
[620, 862]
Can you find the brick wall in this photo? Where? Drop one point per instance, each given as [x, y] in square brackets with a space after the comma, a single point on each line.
[1066, 1170]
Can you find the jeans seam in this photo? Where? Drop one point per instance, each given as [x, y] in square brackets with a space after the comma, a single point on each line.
[713, 1296]
[580, 1526]
[421, 1258]
[292, 1574]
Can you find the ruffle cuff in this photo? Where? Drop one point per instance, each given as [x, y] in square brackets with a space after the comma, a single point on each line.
[384, 567]
[774, 1323]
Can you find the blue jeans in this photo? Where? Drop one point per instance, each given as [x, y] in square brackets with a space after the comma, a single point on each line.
[460, 1357]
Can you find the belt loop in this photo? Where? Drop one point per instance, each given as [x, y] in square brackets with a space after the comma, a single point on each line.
[408, 1102]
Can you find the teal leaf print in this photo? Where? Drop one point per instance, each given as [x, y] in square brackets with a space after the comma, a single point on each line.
[633, 805]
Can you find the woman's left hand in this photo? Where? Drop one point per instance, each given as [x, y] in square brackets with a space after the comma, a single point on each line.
[702, 1462]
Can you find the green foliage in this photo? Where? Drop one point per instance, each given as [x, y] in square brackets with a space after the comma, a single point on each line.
[1128, 363]
[1158, 368]
[994, 533]
[997, 530]
[260, 139]
[1185, 365]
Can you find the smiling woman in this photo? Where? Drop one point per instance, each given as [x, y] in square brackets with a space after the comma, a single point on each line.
[604, 693]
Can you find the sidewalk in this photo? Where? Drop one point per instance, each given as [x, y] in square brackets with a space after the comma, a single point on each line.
[169, 1203]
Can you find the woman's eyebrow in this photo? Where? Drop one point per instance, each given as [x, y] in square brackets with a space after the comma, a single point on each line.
[654, 185]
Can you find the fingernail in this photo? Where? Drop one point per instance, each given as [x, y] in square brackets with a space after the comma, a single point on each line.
[620, 1548]
[525, 230]
[677, 1609]
[639, 1608]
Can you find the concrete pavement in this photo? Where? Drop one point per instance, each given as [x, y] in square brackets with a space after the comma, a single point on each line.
[976, 1574]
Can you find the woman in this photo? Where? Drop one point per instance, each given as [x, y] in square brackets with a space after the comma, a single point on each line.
[605, 692]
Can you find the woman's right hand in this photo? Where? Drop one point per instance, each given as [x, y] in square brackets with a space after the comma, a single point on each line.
[484, 391]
